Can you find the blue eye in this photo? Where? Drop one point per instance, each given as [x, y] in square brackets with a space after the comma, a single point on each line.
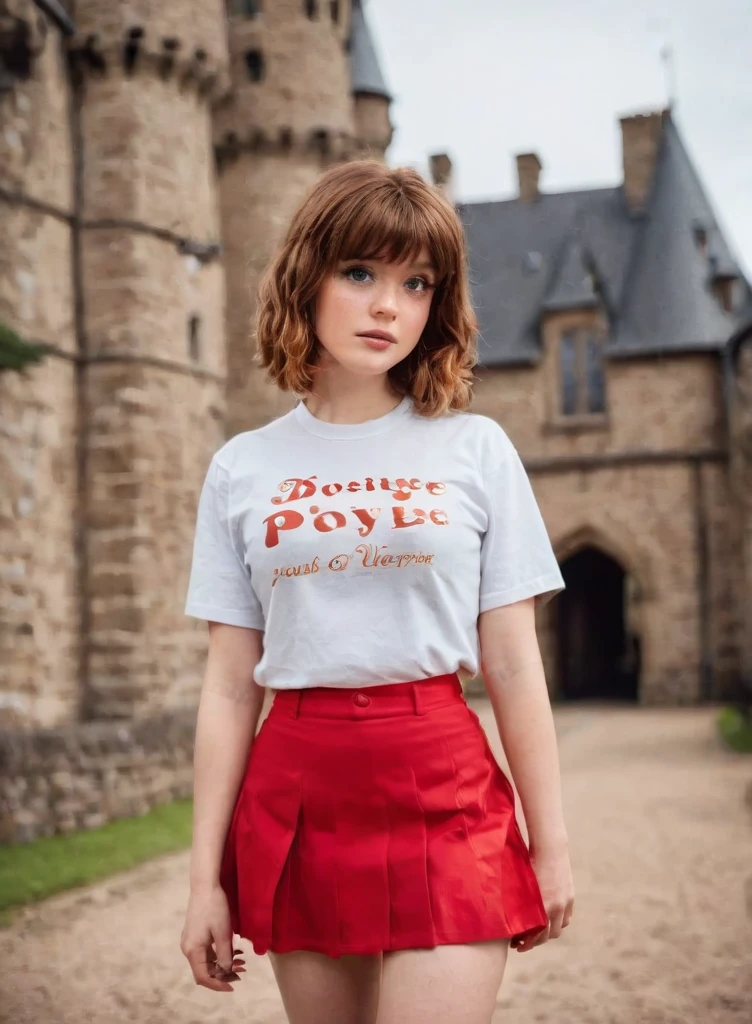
[357, 270]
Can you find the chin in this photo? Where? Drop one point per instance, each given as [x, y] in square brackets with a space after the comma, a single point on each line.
[370, 364]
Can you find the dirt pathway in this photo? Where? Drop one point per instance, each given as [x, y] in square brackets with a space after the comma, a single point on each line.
[662, 934]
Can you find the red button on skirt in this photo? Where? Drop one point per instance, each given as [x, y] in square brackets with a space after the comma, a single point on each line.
[382, 827]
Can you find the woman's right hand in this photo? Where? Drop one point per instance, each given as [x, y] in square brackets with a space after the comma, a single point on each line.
[206, 940]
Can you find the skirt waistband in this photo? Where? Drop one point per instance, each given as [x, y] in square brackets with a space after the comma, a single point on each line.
[416, 697]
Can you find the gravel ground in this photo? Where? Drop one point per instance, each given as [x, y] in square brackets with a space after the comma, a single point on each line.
[662, 932]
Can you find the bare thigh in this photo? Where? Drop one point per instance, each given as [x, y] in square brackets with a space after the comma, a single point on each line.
[318, 989]
[451, 984]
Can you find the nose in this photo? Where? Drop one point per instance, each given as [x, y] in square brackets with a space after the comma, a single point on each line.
[384, 302]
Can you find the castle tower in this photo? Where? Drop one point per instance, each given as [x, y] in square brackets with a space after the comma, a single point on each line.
[373, 126]
[290, 115]
[152, 334]
[39, 608]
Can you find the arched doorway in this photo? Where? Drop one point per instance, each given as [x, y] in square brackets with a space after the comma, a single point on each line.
[598, 657]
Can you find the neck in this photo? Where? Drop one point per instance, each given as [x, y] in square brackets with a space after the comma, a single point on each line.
[355, 400]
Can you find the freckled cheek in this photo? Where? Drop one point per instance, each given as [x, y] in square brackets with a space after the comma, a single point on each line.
[338, 315]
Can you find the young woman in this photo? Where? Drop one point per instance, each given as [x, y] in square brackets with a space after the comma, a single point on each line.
[355, 556]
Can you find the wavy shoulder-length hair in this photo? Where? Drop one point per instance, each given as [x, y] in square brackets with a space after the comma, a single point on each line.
[364, 210]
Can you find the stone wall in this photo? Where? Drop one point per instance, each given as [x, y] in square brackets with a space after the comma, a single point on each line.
[40, 608]
[259, 197]
[152, 434]
[647, 484]
[39, 600]
[83, 775]
[373, 126]
[740, 387]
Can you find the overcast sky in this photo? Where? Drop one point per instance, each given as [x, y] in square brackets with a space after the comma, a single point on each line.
[485, 79]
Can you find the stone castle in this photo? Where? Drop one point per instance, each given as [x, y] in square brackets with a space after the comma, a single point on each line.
[149, 162]
[150, 157]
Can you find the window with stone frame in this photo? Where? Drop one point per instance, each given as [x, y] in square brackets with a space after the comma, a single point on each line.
[582, 373]
[245, 8]
[335, 9]
[255, 64]
[311, 8]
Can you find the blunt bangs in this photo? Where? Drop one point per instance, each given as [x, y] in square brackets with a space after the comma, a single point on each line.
[394, 224]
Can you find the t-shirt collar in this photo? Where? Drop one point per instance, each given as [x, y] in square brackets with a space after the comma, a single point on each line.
[352, 431]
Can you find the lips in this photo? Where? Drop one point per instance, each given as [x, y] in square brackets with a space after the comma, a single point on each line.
[379, 336]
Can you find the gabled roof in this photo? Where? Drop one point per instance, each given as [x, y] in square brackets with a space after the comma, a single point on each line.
[516, 250]
[365, 71]
[573, 283]
[669, 303]
[575, 249]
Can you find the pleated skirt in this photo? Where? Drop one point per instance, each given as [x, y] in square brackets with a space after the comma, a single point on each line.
[376, 820]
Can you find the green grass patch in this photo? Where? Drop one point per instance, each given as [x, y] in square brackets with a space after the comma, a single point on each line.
[33, 871]
[735, 728]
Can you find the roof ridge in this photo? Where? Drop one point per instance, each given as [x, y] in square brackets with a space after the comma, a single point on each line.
[542, 196]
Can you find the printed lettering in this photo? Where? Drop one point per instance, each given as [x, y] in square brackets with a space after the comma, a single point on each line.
[327, 522]
[353, 486]
[436, 489]
[439, 517]
[280, 521]
[367, 517]
[400, 522]
[370, 555]
[295, 488]
[331, 489]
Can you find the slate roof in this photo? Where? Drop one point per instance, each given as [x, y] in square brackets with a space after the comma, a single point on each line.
[365, 71]
[575, 249]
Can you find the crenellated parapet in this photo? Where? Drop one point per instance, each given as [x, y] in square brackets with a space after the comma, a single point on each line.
[330, 146]
[184, 40]
[141, 51]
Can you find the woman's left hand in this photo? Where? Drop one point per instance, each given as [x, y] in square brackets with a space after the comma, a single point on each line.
[554, 873]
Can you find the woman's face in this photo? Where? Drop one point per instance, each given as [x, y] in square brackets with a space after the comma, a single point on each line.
[370, 314]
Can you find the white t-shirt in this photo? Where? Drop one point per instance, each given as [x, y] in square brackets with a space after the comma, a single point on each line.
[365, 552]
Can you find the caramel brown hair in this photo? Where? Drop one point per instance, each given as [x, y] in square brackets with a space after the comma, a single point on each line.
[364, 210]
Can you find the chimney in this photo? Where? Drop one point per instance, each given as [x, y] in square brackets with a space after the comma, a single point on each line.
[640, 137]
[442, 173]
[528, 173]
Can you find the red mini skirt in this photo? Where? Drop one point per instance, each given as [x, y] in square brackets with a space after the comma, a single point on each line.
[375, 820]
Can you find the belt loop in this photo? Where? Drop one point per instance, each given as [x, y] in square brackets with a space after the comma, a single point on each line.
[295, 713]
[417, 701]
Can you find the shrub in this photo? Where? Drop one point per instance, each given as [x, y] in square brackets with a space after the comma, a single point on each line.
[735, 727]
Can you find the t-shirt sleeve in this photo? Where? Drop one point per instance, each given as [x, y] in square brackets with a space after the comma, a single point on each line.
[517, 559]
[219, 589]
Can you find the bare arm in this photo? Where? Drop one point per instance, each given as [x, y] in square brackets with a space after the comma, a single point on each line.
[228, 715]
[515, 680]
[229, 710]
